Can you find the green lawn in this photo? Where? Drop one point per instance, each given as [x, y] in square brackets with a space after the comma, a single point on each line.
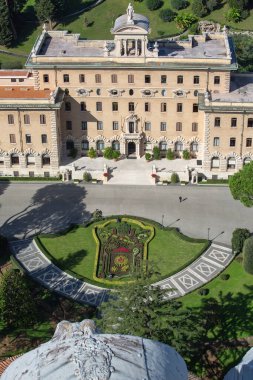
[75, 251]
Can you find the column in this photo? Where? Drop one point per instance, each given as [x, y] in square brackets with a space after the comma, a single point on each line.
[55, 144]
[123, 147]
[136, 47]
[138, 149]
[143, 47]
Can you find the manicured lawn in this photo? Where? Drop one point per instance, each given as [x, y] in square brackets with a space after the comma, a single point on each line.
[75, 251]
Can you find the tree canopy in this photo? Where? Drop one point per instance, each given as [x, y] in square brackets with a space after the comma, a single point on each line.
[241, 185]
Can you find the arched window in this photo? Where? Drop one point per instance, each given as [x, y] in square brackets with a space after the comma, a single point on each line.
[179, 146]
[194, 147]
[163, 145]
[14, 159]
[45, 159]
[100, 145]
[69, 144]
[85, 145]
[30, 159]
[231, 162]
[116, 145]
[215, 163]
[247, 160]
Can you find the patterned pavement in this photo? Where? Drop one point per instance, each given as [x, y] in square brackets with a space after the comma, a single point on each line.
[207, 266]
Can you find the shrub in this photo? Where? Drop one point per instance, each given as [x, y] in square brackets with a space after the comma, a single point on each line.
[225, 276]
[73, 152]
[12, 65]
[233, 14]
[186, 154]
[156, 153]
[87, 177]
[212, 5]
[115, 154]
[154, 4]
[194, 28]
[167, 15]
[174, 178]
[185, 20]
[179, 4]
[198, 8]
[203, 292]
[97, 214]
[170, 154]
[92, 153]
[148, 156]
[248, 255]
[238, 239]
[108, 153]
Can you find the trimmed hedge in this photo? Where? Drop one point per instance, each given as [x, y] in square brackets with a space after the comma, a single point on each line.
[248, 255]
[238, 239]
[30, 178]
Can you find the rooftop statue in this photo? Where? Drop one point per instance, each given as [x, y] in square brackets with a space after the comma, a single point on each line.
[130, 12]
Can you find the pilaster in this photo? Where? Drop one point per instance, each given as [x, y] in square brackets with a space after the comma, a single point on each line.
[205, 153]
[54, 157]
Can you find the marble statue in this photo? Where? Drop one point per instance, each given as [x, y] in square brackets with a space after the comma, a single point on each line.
[130, 12]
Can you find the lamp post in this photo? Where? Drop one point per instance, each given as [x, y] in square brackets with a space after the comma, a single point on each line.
[162, 219]
[208, 233]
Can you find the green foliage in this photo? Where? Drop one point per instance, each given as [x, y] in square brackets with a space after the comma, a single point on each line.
[194, 28]
[238, 4]
[170, 154]
[241, 185]
[179, 4]
[6, 32]
[87, 177]
[108, 153]
[234, 14]
[16, 302]
[167, 15]
[73, 152]
[248, 255]
[185, 20]
[186, 154]
[203, 291]
[225, 276]
[212, 5]
[92, 153]
[198, 8]
[45, 10]
[174, 178]
[11, 65]
[154, 4]
[238, 239]
[244, 52]
[148, 156]
[31, 178]
[156, 153]
[116, 154]
[97, 214]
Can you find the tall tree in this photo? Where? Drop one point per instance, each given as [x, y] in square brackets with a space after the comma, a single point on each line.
[46, 11]
[6, 32]
[241, 185]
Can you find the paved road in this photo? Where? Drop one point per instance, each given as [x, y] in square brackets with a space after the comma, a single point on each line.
[30, 208]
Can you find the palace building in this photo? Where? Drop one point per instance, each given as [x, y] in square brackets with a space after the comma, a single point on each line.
[130, 93]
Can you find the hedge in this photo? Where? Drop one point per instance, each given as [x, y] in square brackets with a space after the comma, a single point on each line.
[248, 255]
[27, 179]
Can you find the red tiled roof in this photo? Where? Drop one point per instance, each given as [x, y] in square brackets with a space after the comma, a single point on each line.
[14, 73]
[25, 92]
[5, 363]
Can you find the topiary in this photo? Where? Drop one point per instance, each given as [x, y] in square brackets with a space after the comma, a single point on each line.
[179, 4]
[167, 15]
[115, 154]
[148, 156]
[174, 178]
[154, 4]
[108, 153]
[87, 177]
[238, 239]
[225, 276]
[203, 292]
[186, 154]
[92, 153]
[170, 154]
[248, 255]
[156, 153]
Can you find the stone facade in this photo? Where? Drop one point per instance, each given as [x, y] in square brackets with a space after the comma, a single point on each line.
[132, 94]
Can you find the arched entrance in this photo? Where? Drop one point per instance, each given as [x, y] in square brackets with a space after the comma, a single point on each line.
[131, 148]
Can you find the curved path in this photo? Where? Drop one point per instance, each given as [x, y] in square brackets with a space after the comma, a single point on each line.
[36, 264]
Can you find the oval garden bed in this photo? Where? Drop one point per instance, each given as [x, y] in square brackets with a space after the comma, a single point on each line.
[111, 251]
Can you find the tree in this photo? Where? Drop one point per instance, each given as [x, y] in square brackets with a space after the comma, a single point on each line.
[45, 10]
[234, 14]
[167, 15]
[241, 185]
[239, 4]
[185, 20]
[16, 301]
[244, 51]
[170, 154]
[248, 255]
[6, 32]
[108, 153]
[179, 4]
[92, 153]
[154, 4]
[186, 154]
[174, 178]
[238, 239]
[156, 153]
[198, 8]
[212, 4]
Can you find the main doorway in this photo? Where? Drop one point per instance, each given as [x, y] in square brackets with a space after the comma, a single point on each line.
[131, 148]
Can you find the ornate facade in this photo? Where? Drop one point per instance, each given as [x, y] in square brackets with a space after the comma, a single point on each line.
[129, 93]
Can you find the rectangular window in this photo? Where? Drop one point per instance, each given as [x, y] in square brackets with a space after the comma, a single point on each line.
[147, 107]
[178, 127]
[99, 106]
[46, 174]
[250, 123]
[114, 78]
[233, 122]
[163, 107]
[26, 119]
[13, 80]
[179, 107]
[42, 119]
[81, 78]
[130, 78]
[131, 106]
[180, 79]
[44, 139]
[196, 79]
[194, 127]
[232, 141]
[12, 138]
[163, 126]
[99, 125]
[216, 80]
[83, 106]
[66, 78]
[28, 139]
[163, 78]
[217, 122]
[67, 106]
[98, 78]
[115, 125]
[84, 125]
[10, 119]
[147, 126]
[68, 125]
[195, 107]
[45, 78]
[248, 142]
[216, 141]
[115, 106]
[31, 174]
[147, 79]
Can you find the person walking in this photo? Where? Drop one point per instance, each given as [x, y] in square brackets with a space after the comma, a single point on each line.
[180, 199]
